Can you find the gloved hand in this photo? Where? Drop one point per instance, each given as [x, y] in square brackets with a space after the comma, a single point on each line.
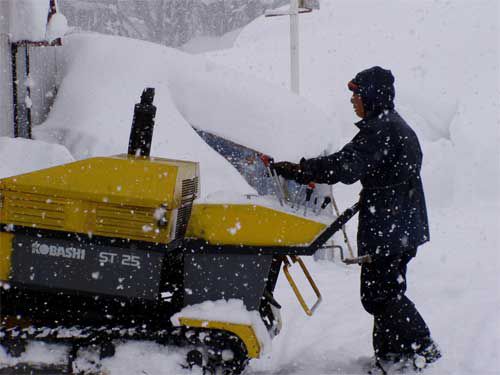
[286, 169]
[292, 171]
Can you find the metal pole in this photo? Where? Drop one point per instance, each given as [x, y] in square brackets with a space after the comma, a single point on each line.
[15, 81]
[294, 46]
[344, 232]
[28, 124]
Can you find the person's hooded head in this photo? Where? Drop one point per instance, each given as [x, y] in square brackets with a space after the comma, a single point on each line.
[375, 87]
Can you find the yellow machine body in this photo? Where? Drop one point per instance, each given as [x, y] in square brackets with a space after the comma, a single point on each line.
[5, 254]
[252, 225]
[120, 196]
[144, 199]
[244, 331]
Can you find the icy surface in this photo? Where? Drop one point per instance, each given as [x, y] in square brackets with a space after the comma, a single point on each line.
[230, 311]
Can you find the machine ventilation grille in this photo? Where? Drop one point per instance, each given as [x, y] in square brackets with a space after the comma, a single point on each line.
[189, 193]
[189, 188]
[126, 222]
[33, 210]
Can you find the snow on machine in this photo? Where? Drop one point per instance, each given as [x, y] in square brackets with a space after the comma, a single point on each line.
[114, 248]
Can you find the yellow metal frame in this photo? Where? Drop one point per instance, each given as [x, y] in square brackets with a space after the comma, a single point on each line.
[286, 266]
[243, 331]
[5, 255]
[250, 224]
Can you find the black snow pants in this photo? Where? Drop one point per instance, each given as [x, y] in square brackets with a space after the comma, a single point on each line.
[398, 326]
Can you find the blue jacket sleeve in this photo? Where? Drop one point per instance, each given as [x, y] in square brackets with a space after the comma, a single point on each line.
[349, 164]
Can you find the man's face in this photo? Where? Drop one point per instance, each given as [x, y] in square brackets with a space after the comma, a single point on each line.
[357, 103]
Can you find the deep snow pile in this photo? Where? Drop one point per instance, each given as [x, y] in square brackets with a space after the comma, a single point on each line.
[103, 77]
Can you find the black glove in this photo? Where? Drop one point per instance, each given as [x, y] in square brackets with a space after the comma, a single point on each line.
[292, 171]
[286, 169]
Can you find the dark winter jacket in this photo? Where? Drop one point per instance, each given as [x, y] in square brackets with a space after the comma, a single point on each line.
[386, 157]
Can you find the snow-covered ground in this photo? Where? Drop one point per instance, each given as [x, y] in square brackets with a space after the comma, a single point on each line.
[445, 56]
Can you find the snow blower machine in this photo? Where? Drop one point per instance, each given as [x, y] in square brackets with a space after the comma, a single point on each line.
[111, 249]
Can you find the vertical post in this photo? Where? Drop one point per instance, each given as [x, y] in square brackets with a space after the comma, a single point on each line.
[13, 52]
[21, 91]
[26, 131]
[294, 46]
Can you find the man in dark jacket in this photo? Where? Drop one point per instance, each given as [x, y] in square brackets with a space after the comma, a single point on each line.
[385, 156]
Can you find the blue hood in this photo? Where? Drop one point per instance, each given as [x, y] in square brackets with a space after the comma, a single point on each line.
[376, 88]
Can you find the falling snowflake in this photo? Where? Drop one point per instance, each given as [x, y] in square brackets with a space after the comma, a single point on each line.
[234, 229]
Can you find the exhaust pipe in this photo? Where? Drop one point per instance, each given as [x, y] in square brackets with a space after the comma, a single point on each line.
[141, 134]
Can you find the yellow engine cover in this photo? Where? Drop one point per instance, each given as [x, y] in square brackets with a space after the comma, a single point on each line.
[250, 224]
[119, 196]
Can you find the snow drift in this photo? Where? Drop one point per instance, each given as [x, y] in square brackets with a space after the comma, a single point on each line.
[104, 76]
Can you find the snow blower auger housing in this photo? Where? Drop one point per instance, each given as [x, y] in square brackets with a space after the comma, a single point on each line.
[112, 248]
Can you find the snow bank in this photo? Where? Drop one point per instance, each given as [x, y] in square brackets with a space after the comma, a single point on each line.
[103, 79]
[21, 155]
[249, 112]
[229, 311]
[444, 56]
